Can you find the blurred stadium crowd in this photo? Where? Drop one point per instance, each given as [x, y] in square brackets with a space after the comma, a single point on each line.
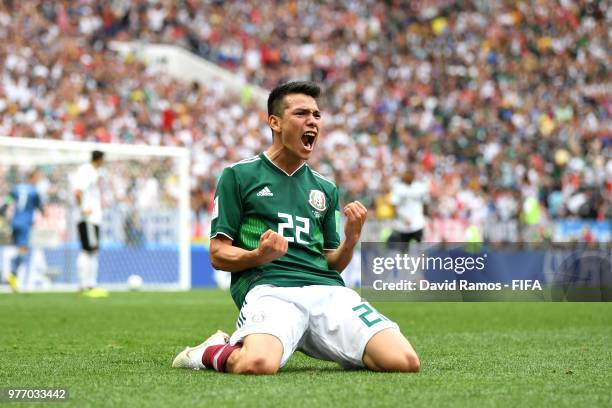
[502, 107]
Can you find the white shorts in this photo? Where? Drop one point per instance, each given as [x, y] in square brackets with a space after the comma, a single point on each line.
[325, 322]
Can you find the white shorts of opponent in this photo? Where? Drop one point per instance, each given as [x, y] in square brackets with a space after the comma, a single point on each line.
[326, 322]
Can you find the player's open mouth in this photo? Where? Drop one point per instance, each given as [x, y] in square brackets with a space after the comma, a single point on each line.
[308, 139]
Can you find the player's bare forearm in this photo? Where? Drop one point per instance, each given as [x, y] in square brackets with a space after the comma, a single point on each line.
[339, 259]
[355, 214]
[229, 258]
[226, 257]
[77, 196]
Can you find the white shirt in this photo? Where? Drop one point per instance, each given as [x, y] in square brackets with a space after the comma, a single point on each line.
[408, 200]
[87, 182]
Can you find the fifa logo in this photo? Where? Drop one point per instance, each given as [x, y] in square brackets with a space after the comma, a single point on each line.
[317, 200]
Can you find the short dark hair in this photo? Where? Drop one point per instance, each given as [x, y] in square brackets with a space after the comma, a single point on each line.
[275, 100]
[33, 173]
[97, 155]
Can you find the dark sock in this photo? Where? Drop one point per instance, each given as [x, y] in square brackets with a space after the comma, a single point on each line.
[215, 357]
[17, 261]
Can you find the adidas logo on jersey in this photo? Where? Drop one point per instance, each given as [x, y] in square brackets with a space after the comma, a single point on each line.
[265, 192]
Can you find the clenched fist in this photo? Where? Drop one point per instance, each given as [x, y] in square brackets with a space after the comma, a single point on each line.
[356, 214]
[271, 246]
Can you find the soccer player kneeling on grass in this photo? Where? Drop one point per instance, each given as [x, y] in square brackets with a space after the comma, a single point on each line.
[275, 228]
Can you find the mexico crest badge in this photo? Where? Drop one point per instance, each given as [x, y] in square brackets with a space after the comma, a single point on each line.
[317, 200]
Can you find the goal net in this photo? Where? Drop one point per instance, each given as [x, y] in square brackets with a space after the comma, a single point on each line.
[145, 207]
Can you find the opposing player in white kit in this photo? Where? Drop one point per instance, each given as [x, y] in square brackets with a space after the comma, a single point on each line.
[88, 198]
[276, 229]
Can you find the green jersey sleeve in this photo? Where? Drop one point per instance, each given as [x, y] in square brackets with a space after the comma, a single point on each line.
[227, 210]
[331, 224]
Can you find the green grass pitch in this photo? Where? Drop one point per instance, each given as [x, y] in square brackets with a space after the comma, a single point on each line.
[117, 352]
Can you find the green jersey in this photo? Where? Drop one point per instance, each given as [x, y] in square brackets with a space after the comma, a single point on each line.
[255, 195]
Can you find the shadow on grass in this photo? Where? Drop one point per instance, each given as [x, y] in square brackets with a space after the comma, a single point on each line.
[313, 370]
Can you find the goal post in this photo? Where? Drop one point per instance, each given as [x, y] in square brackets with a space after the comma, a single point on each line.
[146, 214]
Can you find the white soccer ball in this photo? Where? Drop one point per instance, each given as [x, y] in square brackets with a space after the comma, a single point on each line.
[135, 282]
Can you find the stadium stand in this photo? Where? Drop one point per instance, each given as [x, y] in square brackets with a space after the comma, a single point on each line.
[504, 108]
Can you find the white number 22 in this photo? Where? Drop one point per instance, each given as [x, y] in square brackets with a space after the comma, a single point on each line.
[299, 229]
